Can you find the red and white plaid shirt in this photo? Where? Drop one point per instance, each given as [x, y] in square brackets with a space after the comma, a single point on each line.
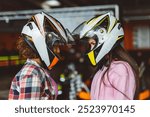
[32, 83]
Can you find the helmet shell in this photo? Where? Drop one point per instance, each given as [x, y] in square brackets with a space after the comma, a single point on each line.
[41, 33]
[106, 30]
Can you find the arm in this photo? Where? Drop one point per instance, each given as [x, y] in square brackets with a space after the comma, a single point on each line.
[30, 86]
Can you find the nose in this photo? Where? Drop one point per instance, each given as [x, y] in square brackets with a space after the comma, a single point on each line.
[92, 43]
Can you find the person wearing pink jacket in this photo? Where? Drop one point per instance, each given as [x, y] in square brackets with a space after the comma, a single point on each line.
[116, 75]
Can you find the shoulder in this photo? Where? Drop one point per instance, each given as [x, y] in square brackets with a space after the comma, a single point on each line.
[30, 71]
[120, 67]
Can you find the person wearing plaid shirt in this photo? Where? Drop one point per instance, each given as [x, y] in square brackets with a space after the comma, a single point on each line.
[32, 82]
[39, 44]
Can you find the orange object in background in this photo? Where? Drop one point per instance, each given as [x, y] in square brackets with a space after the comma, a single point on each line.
[144, 95]
[84, 95]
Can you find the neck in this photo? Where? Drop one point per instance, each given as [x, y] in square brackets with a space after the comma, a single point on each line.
[37, 60]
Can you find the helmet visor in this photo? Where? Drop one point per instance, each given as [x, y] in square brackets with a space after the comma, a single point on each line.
[54, 43]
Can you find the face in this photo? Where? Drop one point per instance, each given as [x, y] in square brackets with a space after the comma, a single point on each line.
[56, 49]
[60, 50]
[92, 43]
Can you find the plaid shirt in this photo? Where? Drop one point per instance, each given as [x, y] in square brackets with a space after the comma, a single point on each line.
[32, 83]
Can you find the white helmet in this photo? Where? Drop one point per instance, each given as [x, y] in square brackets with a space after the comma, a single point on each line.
[105, 29]
[41, 33]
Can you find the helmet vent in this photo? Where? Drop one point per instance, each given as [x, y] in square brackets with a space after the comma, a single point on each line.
[119, 26]
[30, 26]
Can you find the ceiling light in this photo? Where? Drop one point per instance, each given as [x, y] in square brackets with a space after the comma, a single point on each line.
[52, 3]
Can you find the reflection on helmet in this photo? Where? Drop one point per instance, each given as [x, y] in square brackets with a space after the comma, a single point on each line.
[106, 30]
[42, 32]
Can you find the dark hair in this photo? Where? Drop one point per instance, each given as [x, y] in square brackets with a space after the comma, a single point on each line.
[25, 51]
[119, 53]
[123, 55]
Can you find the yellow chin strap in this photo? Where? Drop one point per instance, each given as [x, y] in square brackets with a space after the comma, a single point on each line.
[92, 58]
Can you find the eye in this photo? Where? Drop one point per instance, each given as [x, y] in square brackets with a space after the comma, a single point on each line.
[92, 43]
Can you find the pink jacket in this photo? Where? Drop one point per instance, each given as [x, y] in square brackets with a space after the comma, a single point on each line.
[120, 76]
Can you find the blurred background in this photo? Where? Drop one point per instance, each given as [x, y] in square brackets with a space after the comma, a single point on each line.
[73, 75]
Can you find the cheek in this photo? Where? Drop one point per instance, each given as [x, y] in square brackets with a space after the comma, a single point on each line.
[56, 50]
